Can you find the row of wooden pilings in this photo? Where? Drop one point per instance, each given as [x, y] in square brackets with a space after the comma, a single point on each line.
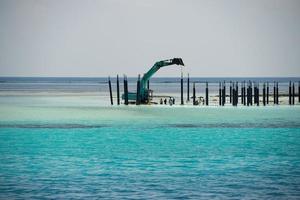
[249, 95]
[118, 91]
[125, 84]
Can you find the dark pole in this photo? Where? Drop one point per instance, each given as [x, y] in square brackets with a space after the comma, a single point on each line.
[242, 92]
[264, 94]
[188, 88]
[230, 93]
[267, 92]
[293, 93]
[206, 94]
[254, 92]
[237, 93]
[124, 84]
[248, 93]
[110, 92]
[194, 94]
[277, 94]
[224, 93]
[257, 94]
[181, 81]
[251, 96]
[137, 102]
[118, 90]
[290, 94]
[125, 90]
[219, 93]
[299, 91]
[233, 95]
[274, 93]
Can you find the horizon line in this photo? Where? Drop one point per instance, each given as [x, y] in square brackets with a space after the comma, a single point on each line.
[152, 77]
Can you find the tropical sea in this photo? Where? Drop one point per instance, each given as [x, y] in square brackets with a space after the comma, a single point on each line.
[61, 139]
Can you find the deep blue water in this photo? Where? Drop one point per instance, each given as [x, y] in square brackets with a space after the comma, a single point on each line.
[159, 163]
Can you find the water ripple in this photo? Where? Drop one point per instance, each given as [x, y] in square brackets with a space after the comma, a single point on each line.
[51, 126]
[235, 125]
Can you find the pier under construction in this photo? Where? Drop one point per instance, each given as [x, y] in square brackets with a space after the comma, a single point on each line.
[229, 92]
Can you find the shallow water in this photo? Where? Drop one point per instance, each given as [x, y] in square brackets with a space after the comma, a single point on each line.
[74, 147]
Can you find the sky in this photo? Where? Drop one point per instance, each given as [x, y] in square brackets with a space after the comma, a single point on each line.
[89, 38]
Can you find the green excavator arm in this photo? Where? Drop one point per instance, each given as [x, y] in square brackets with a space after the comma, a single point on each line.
[152, 71]
[144, 92]
[157, 66]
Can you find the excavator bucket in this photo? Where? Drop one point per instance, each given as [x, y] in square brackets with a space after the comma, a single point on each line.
[177, 61]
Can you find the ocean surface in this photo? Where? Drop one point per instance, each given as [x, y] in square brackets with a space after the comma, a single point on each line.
[60, 139]
[100, 85]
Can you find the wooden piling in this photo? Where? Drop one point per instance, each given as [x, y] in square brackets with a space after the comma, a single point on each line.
[277, 94]
[274, 93]
[181, 91]
[290, 93]
[224, 94]
[188, 88]
[248, 94]
[220, 93]
[236, 101]
[110, 91]
[233, 95]
[230, 93]
[118, 90]
[206, 94]
[257, 94]
[245, 94]
[125, 90]
[254, 90]
[293, 100]
[264, 94]
[299, 92]
[138, 92]
[242, 92]
[268, 93]
[194, 94]
[251, 94]
[237, 93]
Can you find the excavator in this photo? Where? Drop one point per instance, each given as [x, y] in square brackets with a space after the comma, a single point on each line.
[144, 93]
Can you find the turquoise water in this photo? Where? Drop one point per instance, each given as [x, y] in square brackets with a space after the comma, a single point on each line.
[75, 148]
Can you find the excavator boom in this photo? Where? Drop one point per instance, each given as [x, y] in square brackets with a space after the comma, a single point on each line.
[158, 65]
[152, 71]
[144, 92]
